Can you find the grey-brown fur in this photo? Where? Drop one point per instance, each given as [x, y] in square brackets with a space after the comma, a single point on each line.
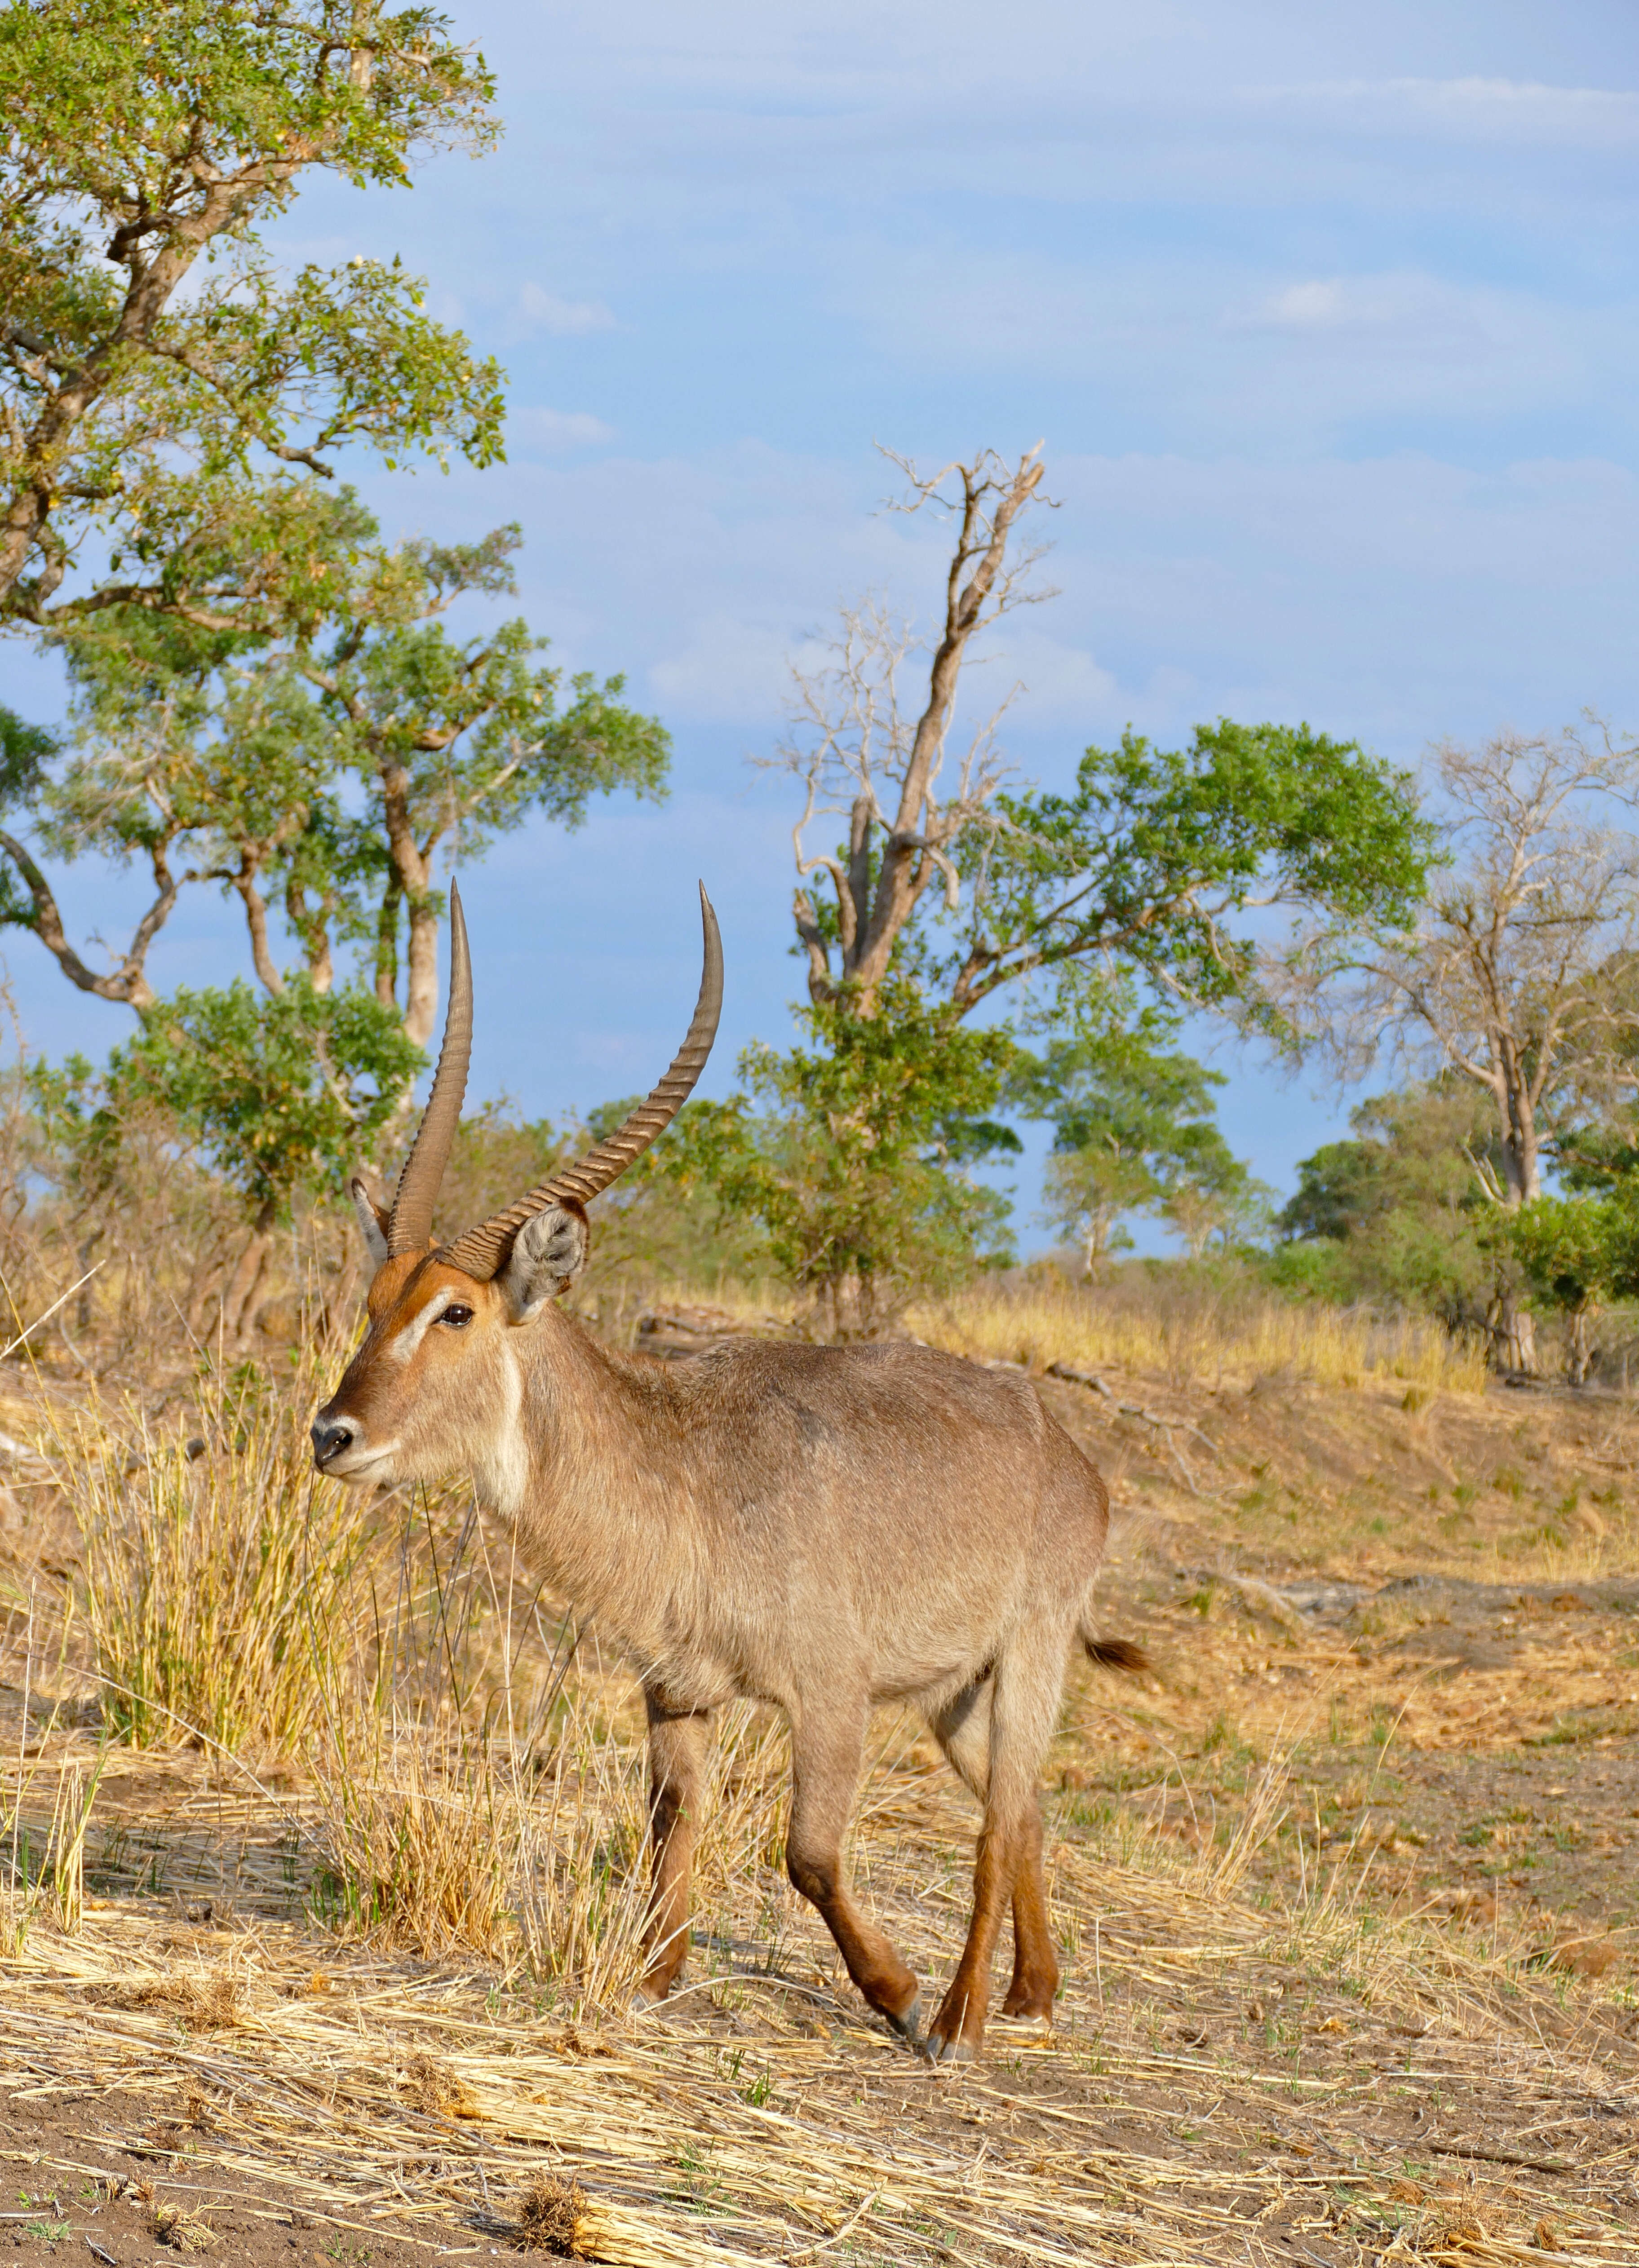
[818, 1529]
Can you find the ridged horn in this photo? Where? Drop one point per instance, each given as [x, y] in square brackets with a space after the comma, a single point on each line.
[411, 1226]
[482, 1252]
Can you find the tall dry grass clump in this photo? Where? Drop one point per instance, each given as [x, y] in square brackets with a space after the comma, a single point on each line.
[1194, 1330]
[472, 1790]
[221, 1584]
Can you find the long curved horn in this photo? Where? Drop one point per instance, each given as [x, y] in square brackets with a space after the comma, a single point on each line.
[482, 1252]
[411, 1223]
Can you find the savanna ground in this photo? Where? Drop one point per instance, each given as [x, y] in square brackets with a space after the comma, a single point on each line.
[323, 1838]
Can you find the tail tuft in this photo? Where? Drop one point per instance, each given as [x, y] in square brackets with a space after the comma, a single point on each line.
[1119, 1653]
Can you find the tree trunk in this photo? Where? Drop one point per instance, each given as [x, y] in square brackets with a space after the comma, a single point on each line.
[905, 867]
[314, 930]
[256, 921]
[1580, 1350]
[237, 1300]
[421, 1002]
[1513, 1335]
[387, 944]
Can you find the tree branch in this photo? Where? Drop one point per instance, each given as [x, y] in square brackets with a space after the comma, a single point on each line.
[126, 984]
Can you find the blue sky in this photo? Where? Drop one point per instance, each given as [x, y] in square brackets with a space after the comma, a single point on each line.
[1328, 317]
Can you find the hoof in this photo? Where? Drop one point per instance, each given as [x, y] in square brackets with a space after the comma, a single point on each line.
[1027, 2018]
[908, 2024]
[941, 2051]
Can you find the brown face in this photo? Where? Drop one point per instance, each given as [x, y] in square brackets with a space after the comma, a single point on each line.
[414, 1394]
[436, 1384]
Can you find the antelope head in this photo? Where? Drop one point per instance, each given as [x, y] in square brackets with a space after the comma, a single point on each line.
[436, 1384]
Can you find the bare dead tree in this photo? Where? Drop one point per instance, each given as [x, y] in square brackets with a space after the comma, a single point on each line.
[1522, 973]
[870, 752]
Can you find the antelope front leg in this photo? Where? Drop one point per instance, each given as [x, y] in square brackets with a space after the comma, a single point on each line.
[825, 1761]
[677, 1743]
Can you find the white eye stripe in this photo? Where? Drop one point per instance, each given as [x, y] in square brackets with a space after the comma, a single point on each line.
[411, 1337]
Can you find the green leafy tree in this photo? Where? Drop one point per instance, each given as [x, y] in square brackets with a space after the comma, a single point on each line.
[1398, 1212]
[1157, 874]
[857, 1169]
[1578, 1253]
[281, 1094]
[1517, 974]
[1163, 865]
[158, 367]
[1089, 1193]
[1133, 1131]
[1218, 1203]
[317, 770]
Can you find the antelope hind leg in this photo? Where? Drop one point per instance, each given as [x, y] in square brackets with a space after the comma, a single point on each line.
[961, 1728]
[1025, 1702]
[1034, 1985]
[957, 2032]
[825, 1760]
[677, 1744]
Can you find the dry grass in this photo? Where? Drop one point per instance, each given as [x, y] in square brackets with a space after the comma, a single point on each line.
[1226, 2081]
[1188, 1332]
[219, 1588]
[334, 1886]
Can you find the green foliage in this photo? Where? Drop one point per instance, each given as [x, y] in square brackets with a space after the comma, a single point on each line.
[24, 751]
[855, 1171]
[1398, 1212]
[1157, 852]
[283, 1094]
[324, 759]
[1577, 1252]
[1133, 1131]
[81, 1136]
[145, 148]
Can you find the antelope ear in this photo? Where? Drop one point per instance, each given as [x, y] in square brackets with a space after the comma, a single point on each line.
[373, 1220]
[547, 1253]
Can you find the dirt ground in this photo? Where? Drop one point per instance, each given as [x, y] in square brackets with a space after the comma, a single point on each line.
[1346, 1893]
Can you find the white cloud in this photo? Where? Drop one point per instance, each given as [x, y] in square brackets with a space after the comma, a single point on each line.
[1420, 310]
[1059, 683]
[1221, 357]
[558, 428]
[564, 319]
[732, 668]
[1473, 109]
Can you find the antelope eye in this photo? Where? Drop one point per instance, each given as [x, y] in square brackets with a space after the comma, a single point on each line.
[457, 1317]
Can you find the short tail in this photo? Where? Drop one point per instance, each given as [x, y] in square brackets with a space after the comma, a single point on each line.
[1118, 1653]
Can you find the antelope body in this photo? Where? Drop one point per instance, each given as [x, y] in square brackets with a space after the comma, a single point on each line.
[819, 1528]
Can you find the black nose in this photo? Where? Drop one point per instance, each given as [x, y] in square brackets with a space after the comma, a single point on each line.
[330, 1436]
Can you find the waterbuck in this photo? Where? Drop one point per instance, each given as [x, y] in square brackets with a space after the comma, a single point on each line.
[819, 1527]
